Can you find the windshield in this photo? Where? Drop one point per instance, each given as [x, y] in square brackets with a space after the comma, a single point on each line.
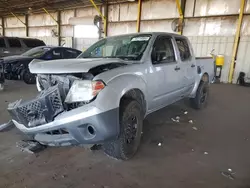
[36, 52]
[129, 47]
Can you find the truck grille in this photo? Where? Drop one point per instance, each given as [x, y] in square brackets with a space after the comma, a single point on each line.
[39, 111]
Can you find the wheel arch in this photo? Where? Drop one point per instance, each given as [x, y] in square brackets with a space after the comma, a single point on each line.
[205, 77]
[137, 95]
[202, 77]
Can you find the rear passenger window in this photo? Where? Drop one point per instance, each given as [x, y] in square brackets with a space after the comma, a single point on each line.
[14, 43]
[183, 49]
[2, 43]
[31, 43]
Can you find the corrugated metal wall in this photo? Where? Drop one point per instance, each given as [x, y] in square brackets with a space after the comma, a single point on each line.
[210, 24]
[203, 26]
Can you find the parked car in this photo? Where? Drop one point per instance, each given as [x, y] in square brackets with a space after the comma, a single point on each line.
[17, 66]
[15, 46]
[103, 96]
[2, 79]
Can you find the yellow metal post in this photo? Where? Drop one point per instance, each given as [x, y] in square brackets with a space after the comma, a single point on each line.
[57, 23]
[17, 18]
[104, 19]
[138, 25]
[236, 41]
[24, 23]
[50, 15]
[180, 14]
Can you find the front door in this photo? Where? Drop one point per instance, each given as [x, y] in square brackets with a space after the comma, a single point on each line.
[166, 74]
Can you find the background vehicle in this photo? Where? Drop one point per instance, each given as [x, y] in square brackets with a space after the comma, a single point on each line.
[15, 46]
[17, 66]
[103, 96]
[2, 79]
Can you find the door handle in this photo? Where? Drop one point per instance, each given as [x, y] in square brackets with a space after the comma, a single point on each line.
[177, 68]
[193, 65]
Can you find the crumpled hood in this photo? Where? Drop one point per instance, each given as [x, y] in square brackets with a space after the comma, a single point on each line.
[69, 65]
[13, 58]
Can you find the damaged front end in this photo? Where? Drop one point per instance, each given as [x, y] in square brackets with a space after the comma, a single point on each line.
[64, 112]
[48, 104]
[67, 110]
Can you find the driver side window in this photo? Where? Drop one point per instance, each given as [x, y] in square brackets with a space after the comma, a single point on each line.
[163, 51]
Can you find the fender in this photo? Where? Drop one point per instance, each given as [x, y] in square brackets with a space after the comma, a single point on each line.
[110, 96]
[197, 83]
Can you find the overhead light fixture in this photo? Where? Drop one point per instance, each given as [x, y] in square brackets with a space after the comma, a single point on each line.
[131, 0]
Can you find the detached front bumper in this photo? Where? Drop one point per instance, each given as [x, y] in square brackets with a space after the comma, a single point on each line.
[83, 125]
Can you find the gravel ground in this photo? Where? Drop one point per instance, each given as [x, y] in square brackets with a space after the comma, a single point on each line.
[189, 155]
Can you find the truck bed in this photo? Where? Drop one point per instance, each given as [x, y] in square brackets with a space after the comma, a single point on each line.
[207, 65]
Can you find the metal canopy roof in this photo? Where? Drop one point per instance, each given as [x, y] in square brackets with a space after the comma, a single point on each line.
[35, 6]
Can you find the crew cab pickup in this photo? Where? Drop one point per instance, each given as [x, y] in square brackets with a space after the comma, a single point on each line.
[103, 96]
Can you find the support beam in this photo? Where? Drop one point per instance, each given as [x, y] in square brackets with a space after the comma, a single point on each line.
[49, 14]
[180, 7]
[58, 23]
[138, 25]
[236, 41]
[3, 28]
[104, 19]
[59, 27]
[26, 25]
[18, 18]
[106, 16]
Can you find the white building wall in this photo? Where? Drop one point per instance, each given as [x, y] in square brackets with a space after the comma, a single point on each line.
[14, 27]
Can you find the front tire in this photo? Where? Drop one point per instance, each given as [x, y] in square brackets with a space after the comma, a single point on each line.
[27, 77]
[201, 98]
[131, 122]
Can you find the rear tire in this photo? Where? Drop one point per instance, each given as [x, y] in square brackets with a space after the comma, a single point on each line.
[201, 98]
[131, 122]
[27, 77]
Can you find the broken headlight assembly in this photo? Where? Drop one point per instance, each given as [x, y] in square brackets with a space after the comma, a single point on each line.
[84, 90]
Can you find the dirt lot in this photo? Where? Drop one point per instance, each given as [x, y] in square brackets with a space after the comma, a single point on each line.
[223, 131]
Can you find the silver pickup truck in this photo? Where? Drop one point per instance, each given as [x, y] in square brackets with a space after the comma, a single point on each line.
[103, 96]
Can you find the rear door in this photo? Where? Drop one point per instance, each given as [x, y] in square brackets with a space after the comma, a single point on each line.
[187, 63]
[166, 73]
[15, 47]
